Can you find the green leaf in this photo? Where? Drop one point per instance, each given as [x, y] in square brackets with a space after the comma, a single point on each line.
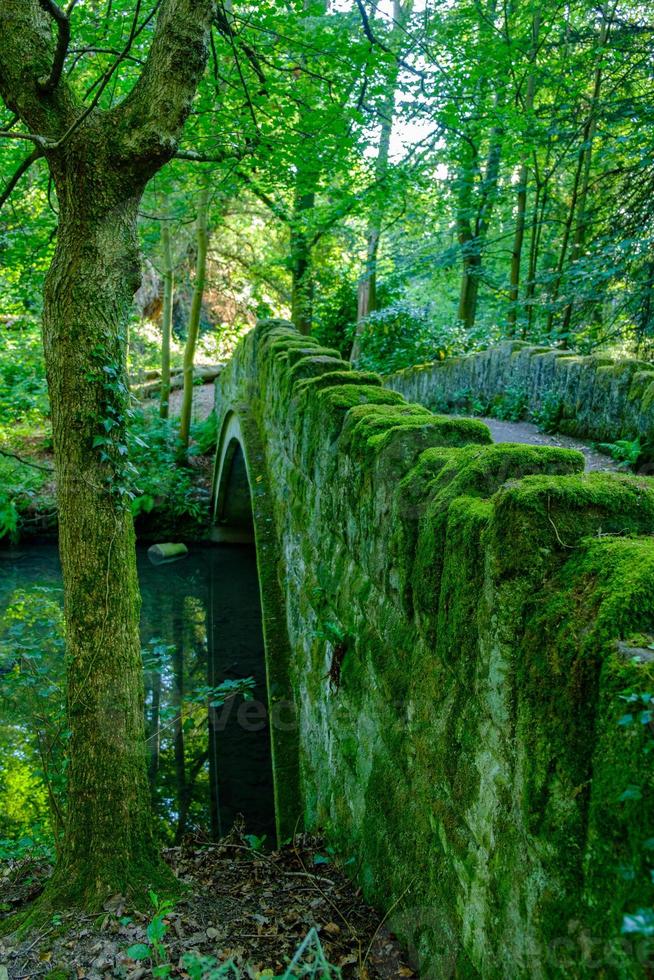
[156, 930]
[139, 951]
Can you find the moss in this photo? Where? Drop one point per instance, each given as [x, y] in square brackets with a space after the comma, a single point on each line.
[621, 369]
[270, 324]
[63, 892]
[545, 518]
[311, 367]
[286, 341]
[648, 398]
[442, 431]
[639, 384]
[471, 472]
[491, 598]
[296, 354]
[341, 398]
[333, 378]
[577, 760]
[365, 421]
[461, 584]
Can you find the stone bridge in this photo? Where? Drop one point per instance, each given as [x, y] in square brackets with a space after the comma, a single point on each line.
[449, 627]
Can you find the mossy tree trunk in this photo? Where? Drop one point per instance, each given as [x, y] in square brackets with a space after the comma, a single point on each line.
[100, 163]
[194, 322]
[88, 294]
[472, 229]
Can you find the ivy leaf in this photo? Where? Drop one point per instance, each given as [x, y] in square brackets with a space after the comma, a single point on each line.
[139, 951]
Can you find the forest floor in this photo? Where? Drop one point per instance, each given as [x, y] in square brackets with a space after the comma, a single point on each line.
[249, 908]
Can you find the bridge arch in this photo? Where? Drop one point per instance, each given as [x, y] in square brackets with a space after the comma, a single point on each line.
[232, 519]
[241, 513]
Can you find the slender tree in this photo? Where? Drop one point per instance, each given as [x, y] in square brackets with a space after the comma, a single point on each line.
[166, 318]
[367, 287]
[523, 181]
[194, 321]
[100, 162]
[576, 219]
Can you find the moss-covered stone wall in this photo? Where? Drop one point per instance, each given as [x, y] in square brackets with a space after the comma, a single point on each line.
[595, 397]
[462, 619]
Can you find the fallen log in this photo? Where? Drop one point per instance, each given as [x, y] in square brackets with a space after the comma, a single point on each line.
[204, 374]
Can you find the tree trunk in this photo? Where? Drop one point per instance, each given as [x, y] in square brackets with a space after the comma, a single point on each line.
[167, 319]
[301, 275]
[521, 197]
[472, 241]
[578, 202]
[582, 204]
[367, 289]
[108, 843]
[194, 323]
[177, 702]
[469, 291]
[100, 162]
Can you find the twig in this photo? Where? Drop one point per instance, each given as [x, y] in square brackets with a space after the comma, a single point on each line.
[20, 171]
[324, 894]
[26, 462]
[390, 912]
[571, 547]
[367, 30]
[307, 874]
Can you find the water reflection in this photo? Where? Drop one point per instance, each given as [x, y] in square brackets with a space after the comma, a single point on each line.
[200, 626]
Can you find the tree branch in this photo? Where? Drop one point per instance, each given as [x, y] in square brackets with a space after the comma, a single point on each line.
[367, 30]
[26, 462]
[276, 209]
[149, 121]
[49, 84]
[104, 80]
[29, 58]
[30, 137]
[13, 181]
[220, 156]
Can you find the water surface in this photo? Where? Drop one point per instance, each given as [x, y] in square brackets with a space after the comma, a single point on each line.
[200, 626]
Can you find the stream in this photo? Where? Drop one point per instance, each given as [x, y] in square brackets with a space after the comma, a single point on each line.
[200, 626]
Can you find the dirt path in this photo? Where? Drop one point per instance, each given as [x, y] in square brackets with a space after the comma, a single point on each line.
[203, 401]
[530, 435]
